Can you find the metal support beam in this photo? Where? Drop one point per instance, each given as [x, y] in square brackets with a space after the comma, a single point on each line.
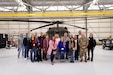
[29, 28]
[29, 9]
[86, 5]
[86, 25]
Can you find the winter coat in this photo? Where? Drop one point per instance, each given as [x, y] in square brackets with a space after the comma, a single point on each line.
[41, 38]
[26, 41]
[45, 45]
[38, 42]
[33, 44]
[83, 42]
[61, 47]
[52, 46]
[72, 45]
[92, 43]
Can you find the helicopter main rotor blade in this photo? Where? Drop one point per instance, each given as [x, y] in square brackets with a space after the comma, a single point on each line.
[42, 26]
[76, 26]
[27, 21]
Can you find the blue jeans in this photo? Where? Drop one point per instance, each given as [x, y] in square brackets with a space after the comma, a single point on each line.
[72, 56]
[26, 51]
[33, 57]
[21, 48]
[61, 55]
[52, 56]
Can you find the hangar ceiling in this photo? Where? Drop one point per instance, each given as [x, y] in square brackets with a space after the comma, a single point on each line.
[54, 5]
[42, 7]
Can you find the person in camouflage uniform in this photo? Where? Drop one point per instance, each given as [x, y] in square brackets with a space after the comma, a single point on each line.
[83, 43]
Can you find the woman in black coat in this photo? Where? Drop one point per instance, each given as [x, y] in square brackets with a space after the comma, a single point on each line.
[91, 46]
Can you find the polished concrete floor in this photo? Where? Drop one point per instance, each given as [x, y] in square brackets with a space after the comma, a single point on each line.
[11, 65]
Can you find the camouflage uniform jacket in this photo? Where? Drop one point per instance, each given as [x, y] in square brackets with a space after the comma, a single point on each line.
[83, 42]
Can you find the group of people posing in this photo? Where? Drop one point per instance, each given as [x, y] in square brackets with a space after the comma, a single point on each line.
[65, 47]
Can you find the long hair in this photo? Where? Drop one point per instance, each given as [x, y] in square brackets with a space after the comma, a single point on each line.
[33, 36]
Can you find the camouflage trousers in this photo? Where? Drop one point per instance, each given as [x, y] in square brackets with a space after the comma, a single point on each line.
[83, 53]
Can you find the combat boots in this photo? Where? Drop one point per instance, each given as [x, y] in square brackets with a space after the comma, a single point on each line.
[85, 59]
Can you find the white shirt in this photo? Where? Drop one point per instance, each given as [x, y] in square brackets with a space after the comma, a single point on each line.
[75, 44]
[57, 40]
[79, 36]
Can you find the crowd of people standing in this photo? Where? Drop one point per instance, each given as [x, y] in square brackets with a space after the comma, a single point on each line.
[73, 47]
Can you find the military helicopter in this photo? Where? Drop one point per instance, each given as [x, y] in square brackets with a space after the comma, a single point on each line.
[57, 30]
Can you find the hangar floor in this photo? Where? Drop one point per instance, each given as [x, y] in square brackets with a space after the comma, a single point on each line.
[10, 65]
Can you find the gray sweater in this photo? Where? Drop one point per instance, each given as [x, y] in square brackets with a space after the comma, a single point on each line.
[20, 41]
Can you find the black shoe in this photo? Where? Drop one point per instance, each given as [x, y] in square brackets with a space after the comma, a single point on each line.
[91, 59]
[88, 59]
[76, 59]
[37, 60]
[67, 58]
[41, 60]
[56, 58]
[71, 61]
[32, 61]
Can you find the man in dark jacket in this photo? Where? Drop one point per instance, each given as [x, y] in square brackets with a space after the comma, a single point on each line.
[26, 42]
[41, 38]
[91, 46]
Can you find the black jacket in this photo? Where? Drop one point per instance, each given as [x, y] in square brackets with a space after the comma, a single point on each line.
[26, 42]
[31, 44]
[92, 43]
[41, 38]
